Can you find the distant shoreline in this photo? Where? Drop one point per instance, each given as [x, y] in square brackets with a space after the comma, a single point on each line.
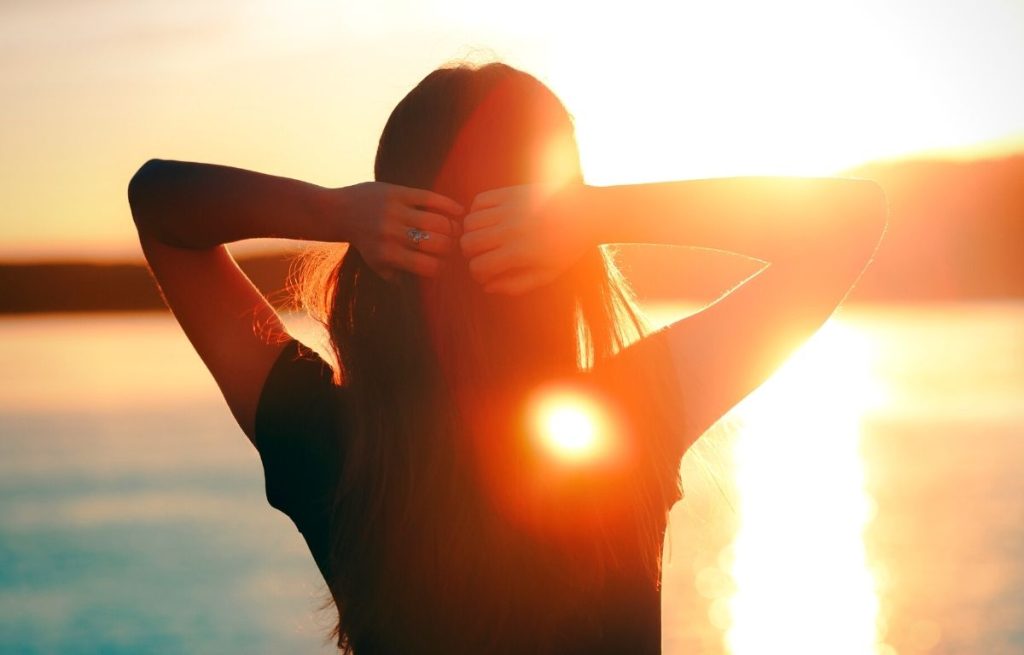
[113, 286]
[956, 232]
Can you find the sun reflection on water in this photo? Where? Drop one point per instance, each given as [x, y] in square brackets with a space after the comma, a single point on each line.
[802, 581]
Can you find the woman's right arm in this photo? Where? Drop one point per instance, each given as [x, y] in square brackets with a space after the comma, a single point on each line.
[815, 235]
[186, 212]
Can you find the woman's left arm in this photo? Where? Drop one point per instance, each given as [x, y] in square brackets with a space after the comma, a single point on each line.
[185, 212]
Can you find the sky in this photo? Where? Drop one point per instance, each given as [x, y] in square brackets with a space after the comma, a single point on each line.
[659, 90]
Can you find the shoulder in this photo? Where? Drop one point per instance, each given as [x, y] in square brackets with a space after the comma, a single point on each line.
[640, 372]
[641, 382]
[299, 427]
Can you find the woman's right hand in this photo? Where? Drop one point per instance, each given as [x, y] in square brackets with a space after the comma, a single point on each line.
[377, 219]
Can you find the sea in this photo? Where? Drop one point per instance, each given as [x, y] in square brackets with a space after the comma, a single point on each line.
[867, 499]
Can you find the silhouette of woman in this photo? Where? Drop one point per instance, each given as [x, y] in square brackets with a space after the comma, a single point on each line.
[472, 290]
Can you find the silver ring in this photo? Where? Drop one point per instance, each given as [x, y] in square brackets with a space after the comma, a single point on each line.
[417, 235]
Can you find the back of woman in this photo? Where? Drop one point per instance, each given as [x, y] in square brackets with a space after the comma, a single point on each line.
[454, 528]
[489, 467]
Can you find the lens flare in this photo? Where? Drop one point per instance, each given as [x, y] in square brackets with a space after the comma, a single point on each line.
[569, 431]
[569, 425]
[559, 162]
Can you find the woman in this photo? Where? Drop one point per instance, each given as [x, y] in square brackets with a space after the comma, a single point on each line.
[418, 471]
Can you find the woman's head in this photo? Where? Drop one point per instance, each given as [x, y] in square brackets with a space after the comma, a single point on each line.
[462, 131]
[437, 371]
[459, 132]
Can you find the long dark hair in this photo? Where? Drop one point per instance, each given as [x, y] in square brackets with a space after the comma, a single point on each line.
[439, 543]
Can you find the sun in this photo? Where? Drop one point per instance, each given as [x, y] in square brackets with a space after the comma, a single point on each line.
[713, 90]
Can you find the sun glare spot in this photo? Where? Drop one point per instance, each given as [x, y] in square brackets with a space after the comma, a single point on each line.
[570, 425]
[558, 162]
[570, 430]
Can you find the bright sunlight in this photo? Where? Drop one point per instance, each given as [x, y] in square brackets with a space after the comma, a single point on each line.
[802, 581]
[570, 430]
[571, 426]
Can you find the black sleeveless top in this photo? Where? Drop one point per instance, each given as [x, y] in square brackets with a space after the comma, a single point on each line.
[298, 440]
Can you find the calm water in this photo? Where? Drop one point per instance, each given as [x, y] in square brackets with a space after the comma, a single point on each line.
[868, 499]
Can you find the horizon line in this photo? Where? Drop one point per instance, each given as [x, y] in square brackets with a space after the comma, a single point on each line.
[123, 254]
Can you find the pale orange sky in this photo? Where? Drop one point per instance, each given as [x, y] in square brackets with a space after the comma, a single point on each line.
[659, 90]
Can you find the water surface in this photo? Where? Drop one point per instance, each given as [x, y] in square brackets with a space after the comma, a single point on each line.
[873, 488]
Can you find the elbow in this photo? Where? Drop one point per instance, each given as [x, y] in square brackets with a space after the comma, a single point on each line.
[142, 191]
[879, 213]
[142, 182]
[869, 217]
[873, 205]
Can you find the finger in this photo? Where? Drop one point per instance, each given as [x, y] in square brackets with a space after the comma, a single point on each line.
[489, 198]
[487, 266]
[419, 263]
[480, 241]
[478, 220]
[434, 244]
[427, 221]
[515, 285]
[430, 200]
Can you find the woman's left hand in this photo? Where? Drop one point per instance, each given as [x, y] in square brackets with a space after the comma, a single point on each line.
[521, 237]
